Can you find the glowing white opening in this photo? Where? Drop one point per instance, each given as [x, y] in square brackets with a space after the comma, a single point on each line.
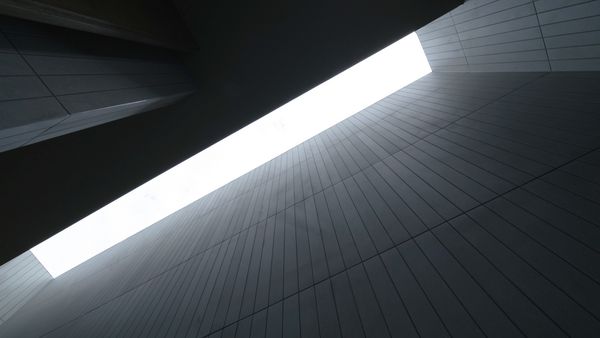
[291, 124]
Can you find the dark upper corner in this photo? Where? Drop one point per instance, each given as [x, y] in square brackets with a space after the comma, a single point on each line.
[247, 57]
[152, 22]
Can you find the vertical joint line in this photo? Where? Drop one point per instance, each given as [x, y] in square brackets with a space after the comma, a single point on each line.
[537, 17]
[462, 48]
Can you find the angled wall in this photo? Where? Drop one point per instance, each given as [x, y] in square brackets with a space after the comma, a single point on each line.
[515, 35]
[462, 205]
[465, 204]
[54, 81]
[20, 280]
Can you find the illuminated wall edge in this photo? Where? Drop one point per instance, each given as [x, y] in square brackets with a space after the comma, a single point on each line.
[334, 100]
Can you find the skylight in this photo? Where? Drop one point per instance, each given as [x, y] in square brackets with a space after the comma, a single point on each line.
[289, 125]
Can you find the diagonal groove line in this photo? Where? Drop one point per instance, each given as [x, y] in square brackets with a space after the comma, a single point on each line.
[45, 86]
[315, 193]
[462, 48]
[539, 26]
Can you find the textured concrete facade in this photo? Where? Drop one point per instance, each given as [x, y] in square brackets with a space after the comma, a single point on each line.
[515, 35]
[20, 280]
[463, 205]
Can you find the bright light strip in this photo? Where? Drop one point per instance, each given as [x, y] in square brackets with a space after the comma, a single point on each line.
[291, 124]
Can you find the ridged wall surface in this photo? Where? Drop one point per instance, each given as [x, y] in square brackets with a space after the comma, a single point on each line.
[515, 35]
[20, 280]
[465, 205]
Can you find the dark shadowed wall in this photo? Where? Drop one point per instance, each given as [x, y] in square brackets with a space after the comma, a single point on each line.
[55, 81]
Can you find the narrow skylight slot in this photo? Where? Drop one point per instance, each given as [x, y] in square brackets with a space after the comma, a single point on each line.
[291, 124]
